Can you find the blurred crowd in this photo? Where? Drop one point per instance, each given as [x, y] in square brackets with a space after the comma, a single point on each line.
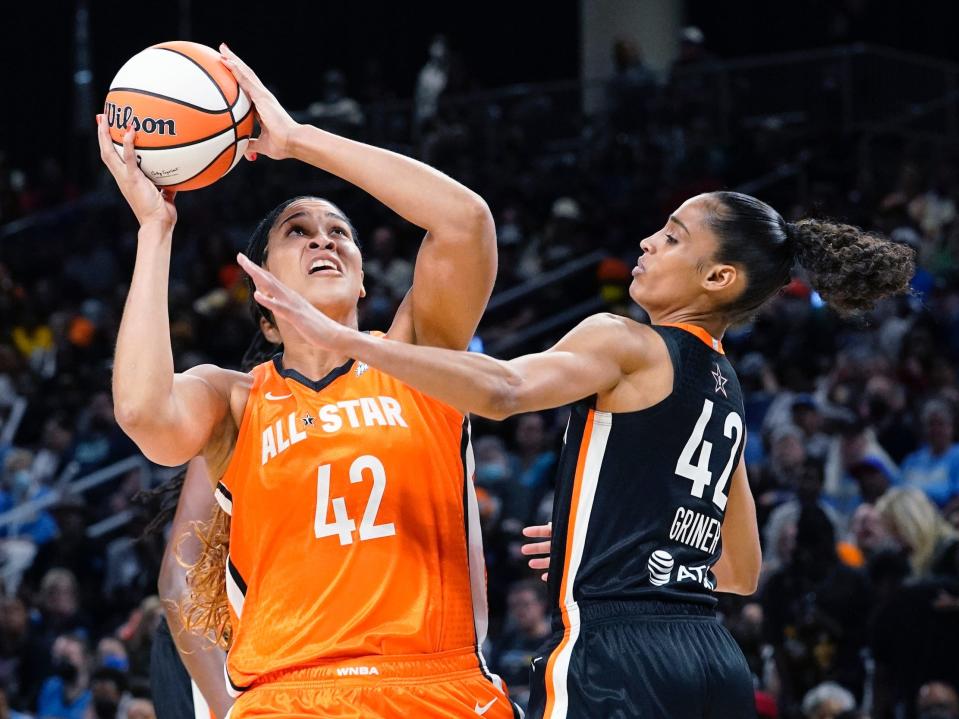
[852, 454]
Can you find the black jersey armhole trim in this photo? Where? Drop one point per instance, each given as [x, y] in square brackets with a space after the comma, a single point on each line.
[675, 355]
[315, 385]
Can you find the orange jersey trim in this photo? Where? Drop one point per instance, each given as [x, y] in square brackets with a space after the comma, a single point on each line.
[702, 334]
[574, 506]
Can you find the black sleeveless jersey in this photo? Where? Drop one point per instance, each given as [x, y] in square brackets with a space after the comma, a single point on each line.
[640, 496]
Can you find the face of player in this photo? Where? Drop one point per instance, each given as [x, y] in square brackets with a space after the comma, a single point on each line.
[312, 250]
[677, 270]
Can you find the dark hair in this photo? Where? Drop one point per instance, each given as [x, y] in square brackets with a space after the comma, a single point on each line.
[849, 268]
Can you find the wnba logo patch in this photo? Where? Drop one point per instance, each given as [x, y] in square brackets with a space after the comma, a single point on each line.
[122, 117]
[660, 567]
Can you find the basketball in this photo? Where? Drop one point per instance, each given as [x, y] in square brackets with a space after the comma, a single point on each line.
[192, 120]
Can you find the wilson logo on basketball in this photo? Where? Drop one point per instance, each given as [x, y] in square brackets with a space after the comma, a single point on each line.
[121, 116]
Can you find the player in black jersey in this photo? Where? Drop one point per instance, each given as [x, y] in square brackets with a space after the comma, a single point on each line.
[653, 512]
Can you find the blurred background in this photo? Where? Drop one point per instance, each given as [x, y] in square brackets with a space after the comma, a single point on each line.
[583, 124]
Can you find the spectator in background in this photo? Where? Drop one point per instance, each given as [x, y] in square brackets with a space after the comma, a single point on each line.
[827, 701]
[873, 479]
[885, 408]
[6, 712]
[816, 610]
[99, 440]
[431, 82]
[934, 467]
[66, 694]
[336, 111]
[13, 643]
[20, 540]
[527, 627]
[855, 443]
[385, 266]
[630, 90]
[72, 550]
[937, 700]
[809, 419]
[868, 531]
[914, 522]
[778, 478]
[107, 689]
[59, 614]
[140, 709]
[533, 462]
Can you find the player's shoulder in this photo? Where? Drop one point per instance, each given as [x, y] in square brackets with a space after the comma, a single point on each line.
[230, 384]
[622, 336]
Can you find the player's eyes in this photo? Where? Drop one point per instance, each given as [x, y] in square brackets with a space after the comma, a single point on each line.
[296, 230]
[670, 240]
[341, 230]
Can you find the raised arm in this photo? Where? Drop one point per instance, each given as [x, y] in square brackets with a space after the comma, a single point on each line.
[456, 264]
[169, 416]
[737, 570]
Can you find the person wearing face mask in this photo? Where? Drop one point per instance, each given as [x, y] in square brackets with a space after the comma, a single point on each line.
[66, 694]
[108, 688]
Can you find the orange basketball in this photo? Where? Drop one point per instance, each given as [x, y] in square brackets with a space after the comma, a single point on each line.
[192, 120]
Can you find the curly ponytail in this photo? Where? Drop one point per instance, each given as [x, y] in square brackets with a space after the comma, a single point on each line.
[204, 611]
[850, 268]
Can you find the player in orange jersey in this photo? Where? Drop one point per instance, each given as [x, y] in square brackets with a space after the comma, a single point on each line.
[355, 576]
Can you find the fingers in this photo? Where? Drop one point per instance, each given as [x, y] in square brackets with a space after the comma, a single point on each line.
[262, 278]
[539, 530]
[544, 576]
[250, 152]
[108, 153]
[241, 71]
[539, 563]
[535, 548]
[129, 153]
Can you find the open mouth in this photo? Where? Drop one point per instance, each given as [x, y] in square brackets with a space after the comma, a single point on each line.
[324, 267]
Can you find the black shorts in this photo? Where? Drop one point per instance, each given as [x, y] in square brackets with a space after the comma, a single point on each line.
[174, 694]
[654, 660]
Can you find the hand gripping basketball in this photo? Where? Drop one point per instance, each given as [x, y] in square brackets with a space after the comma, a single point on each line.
[276, 125]
[149, 204]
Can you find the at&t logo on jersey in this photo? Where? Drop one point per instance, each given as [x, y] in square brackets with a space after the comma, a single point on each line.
[660, 567]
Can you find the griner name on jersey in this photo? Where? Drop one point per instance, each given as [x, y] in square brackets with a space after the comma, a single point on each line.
[361, 412]
[695, 530]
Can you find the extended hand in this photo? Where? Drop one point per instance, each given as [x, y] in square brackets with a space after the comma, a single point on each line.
[148, 203]
[309, 322]
[276, 125]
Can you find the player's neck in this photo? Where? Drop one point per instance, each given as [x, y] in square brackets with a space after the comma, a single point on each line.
[714, 326]
[310, 360]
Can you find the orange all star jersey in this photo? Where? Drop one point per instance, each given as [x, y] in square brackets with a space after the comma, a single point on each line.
[355, 529]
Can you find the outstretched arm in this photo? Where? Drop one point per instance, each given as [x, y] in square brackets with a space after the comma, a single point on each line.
[456, 264]
[593, 358]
